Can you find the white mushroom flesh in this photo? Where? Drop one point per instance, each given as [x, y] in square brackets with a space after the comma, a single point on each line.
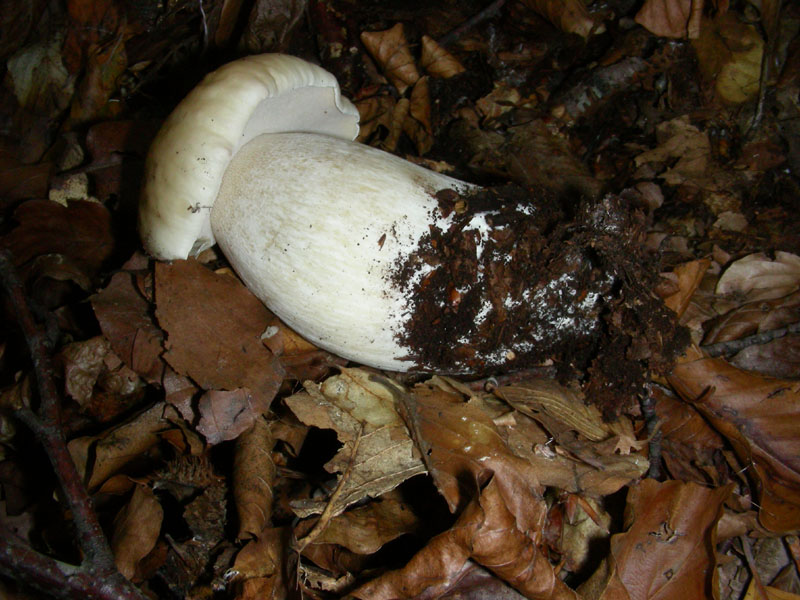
[313, 225]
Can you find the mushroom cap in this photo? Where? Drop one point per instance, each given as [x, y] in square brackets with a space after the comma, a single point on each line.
[267, 93]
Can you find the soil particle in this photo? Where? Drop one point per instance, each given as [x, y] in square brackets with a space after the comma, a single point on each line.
[509, 279]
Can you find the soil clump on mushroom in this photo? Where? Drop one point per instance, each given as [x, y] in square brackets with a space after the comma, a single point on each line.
[515, 280]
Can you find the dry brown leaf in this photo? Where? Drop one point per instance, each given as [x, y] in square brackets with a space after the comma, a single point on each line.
[20, 181]
[557, 407]
[215, 325]
[668, 548]
[300, 358]
[364, 530]
[437, 61]
[460, 444]
[570, 16]
[80, 232]
[671, 18]
[399, 116]
[253, 478]
[417, 124]
[100, 456]
[492, 534]
[778, 358]
[390, 49]
[136, 530]
[125, 317]
[689, 275]
[358, 408]
[760, 417]
[225, 415]
[260, 566]
[679, 139]
[729, 54]
[758, 277]
[374, 112]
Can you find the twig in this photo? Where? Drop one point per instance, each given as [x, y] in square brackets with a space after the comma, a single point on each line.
[653, 433]
[486, 13]
[733, 346]
[24, 563]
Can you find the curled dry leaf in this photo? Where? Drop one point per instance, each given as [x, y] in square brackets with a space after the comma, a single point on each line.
[668, 548]
[570, 16]
[253, 478]
[758, 277]
[364, 530]
[729, 54]
[224, 415]
[679, 139]
[358, 408]
[417, 124]
[100, 456]
[760, 417]
[437, 61]
[374, 112]
[260, 566]
[214, 326]
[556, 407]
[671, 18]
[492, 534]
[688, 277]
[126, 320]
[391, 51]
[136, 529]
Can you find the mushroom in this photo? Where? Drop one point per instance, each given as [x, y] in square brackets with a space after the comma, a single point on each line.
[330, 234]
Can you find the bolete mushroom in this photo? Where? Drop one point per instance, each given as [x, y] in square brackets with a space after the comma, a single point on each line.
[335, 237]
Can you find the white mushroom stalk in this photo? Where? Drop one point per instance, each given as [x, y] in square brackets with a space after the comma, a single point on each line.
[330, 234]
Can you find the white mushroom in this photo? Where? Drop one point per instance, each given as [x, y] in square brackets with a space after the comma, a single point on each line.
[259, 158]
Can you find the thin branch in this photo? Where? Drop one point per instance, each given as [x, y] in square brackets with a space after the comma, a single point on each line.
[734, 346]
[24, 563]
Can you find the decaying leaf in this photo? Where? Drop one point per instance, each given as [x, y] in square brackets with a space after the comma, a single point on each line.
[490, 532]
[688, 277]
[672, 18]
[417, 124]
[214, 326]
[98, 457]
[260, 566]
[679, 139]
[126, 320]
[358, 408]
[570, 16]
[729, 52]
[136, 529]
[668, 549]
[390, 49]
[365, 529]
[253, 478]
[758, 277]
[226, 414]
[760, 417]
[437, 61]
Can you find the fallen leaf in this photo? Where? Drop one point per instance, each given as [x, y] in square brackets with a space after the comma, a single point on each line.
[570, 16]
[253, 479]
[358, 408]
[437, 61]
[20, 181]
[688, 276]
[260, 565]
[390, 49]
[225, 415]
[668, 548]
[729, 54]
[492, 534]
[758, 277]
[760, 417]
[365, 529]
[214, 326]
[679, 139]
[671, 18]
[136, 530]
[126, 319]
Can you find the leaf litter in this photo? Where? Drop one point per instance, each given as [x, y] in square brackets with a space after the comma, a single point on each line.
[228, 457]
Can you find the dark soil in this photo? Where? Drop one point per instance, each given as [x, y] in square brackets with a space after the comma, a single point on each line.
[522, 279]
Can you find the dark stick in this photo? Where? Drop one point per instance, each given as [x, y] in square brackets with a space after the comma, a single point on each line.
[654, 433]
[486, 13]
[98, 561]
[733, 346]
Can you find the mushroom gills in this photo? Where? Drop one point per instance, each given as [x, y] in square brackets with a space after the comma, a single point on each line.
[316, 233]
